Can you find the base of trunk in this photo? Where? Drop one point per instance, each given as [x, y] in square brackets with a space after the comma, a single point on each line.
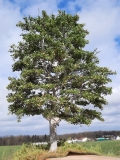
[53, 146]
[53, 122]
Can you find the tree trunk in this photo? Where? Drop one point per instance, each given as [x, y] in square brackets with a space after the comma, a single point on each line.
[53, 122]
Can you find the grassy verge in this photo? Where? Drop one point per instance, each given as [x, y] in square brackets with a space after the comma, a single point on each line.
[35, 153]
[30, 152]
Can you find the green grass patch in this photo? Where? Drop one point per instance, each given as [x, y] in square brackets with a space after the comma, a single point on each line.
[7, 151]
[108, 148]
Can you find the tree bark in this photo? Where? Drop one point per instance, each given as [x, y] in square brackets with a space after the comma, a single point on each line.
[53, 122]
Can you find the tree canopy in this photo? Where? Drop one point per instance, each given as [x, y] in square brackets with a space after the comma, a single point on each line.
[57, 76]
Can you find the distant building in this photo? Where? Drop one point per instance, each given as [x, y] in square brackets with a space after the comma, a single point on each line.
[118, 138]
[39, 143]
[69, 141]
[102, 139]
[84, 139]
[77, 140]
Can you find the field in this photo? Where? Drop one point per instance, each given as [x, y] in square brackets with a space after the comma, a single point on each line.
[107, 148]
[6, 151]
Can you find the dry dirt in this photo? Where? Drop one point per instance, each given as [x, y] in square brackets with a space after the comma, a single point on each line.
[84, 157]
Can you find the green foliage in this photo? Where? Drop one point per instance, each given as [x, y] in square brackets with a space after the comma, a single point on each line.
[61, 142]
[58, 78]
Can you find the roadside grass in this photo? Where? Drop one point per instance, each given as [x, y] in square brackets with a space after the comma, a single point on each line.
[36, 153]
[30, 152]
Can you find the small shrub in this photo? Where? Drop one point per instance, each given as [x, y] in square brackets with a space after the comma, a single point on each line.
[27, 152]
[61, 142]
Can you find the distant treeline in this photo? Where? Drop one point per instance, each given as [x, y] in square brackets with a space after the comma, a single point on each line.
[18, 140]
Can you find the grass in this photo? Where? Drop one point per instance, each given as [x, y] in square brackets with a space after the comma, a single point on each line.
[35, 153]
[7, 151]
[30, 152]
[109, 148]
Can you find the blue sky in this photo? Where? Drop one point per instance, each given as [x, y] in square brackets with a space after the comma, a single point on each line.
[102, 21]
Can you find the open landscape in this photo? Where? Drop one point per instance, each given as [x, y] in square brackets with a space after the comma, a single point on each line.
[104, 148]
[60, 78]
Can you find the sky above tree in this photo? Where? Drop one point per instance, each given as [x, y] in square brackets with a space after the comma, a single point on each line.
[102, 22]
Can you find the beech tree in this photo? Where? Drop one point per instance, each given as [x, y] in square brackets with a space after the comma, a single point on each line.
[58, 78]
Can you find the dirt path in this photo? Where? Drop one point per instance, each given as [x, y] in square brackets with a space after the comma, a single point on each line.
[84, 157]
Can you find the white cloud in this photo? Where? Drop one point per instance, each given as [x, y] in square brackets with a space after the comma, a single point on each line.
[115, 98]
[9, 16]
[36, 8]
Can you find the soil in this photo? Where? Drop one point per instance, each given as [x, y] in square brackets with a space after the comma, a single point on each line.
[84, 157]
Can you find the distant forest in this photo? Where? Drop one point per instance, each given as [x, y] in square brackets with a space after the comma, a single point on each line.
[18, 140]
